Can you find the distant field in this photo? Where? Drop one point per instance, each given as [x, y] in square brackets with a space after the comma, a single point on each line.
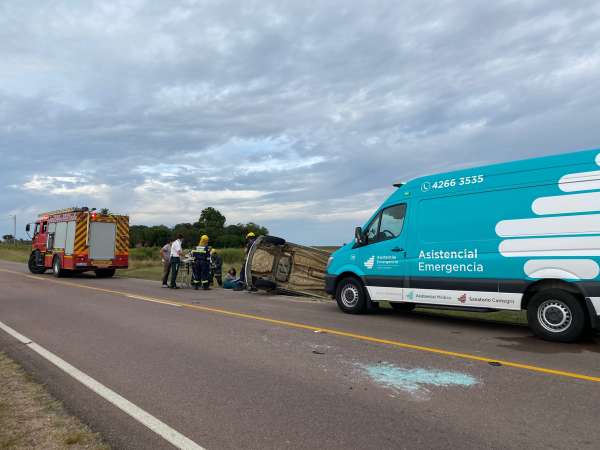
[145, 263]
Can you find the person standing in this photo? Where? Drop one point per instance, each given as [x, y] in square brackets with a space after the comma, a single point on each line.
[201, 269]
[165, 257]
[176, 250]
[250, 238]
[216, 266]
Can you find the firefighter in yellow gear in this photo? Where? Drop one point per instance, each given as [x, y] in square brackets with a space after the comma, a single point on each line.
[201, 268]
[250, 238]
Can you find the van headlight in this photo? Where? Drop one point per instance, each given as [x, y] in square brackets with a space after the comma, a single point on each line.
[329, 261]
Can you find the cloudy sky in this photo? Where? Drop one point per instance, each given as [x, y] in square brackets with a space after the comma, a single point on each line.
[297, 115]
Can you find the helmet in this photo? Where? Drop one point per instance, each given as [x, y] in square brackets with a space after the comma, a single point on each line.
[204, 239]
[213, 251]
[250, 235]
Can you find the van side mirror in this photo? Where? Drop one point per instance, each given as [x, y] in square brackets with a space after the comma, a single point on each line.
[358, 235]
[28, 227]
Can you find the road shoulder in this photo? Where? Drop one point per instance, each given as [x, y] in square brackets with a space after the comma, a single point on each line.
[31, 418]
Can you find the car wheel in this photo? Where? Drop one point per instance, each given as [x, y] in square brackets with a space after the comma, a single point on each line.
[556, 315]
[56, 269]
[33, 264]
[105, 273]
[402, 307]
[350, 296]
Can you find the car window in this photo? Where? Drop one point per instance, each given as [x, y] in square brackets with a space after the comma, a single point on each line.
[392, 222]
[371, 232]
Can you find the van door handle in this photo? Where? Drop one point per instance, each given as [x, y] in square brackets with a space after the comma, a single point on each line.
[397, 249]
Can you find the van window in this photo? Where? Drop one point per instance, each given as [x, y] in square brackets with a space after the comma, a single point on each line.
[387, 225]
[392, 222]
[373, 229]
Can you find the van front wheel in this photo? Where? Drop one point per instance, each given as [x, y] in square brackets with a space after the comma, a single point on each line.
[350, 296]
[556, 315]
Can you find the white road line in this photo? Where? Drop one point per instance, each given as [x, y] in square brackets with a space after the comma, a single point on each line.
[151, 422]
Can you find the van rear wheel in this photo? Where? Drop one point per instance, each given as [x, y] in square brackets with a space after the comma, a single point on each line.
[350, 296]
[556, 315]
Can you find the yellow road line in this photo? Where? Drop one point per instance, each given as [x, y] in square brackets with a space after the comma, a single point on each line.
[331, 331]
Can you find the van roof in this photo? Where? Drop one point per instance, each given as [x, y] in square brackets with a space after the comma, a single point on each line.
[580, 161]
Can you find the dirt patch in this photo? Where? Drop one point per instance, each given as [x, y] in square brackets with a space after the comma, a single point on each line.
[31, 418]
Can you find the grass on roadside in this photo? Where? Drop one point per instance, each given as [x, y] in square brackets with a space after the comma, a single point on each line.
[16, 253]
[31, 418]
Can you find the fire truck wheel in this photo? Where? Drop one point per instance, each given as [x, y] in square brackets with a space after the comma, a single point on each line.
[56, 267]
[105, 273]
[32, 263]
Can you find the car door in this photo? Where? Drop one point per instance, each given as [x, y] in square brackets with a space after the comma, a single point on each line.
[383, 255]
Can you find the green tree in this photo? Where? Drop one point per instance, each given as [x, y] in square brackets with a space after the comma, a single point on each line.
[189, 232]
[211, 222]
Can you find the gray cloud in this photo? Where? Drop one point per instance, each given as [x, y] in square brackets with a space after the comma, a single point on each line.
[296, 115]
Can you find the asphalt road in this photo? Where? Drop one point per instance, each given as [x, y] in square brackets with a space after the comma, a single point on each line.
[239, 370]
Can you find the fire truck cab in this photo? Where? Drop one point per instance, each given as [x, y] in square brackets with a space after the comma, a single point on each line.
[76, 240]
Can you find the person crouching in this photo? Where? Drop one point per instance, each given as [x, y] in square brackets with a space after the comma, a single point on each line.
[201, 267]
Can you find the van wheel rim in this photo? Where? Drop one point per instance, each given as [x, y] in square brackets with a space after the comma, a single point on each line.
[555, 316]
[350, 296]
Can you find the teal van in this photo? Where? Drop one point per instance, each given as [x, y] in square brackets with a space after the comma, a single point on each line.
[513, 236]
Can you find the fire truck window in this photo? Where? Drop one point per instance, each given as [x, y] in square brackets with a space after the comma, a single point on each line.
[37, 229]
[45, 227]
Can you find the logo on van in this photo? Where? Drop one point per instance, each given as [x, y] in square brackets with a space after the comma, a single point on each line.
[369, 263]
[463, 298]
[410, 295]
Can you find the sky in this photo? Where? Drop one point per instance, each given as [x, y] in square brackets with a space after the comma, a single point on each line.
[296, 115]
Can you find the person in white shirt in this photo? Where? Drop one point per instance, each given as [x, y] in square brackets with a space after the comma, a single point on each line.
[175, 260]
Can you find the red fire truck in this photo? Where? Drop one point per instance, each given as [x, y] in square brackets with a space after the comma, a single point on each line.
[79, 240]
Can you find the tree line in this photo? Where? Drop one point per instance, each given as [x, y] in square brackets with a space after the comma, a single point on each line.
[210, 222]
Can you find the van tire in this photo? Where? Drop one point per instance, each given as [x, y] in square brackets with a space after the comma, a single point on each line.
[556, 315]
[105, 273]
[32, 264]
[57, 270]
[402, 307]
[350, 296]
